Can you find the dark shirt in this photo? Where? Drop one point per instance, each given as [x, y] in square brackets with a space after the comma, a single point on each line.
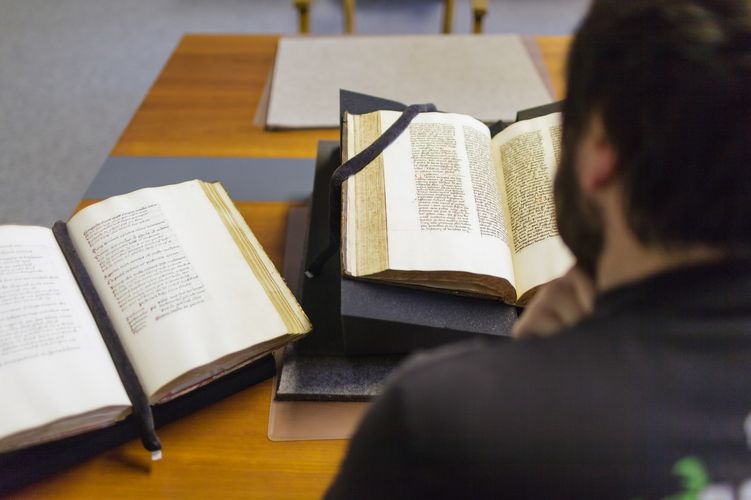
[648, 397]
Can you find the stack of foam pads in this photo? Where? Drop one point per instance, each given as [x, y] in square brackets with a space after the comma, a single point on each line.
[362, 330]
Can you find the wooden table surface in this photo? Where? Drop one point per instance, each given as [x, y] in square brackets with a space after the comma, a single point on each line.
[203, 103]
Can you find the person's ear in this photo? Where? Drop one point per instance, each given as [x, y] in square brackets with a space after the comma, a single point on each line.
[596, 157]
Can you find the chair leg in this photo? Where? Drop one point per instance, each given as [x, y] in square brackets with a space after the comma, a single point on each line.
[448, 15]
[348, 9]
[303, 9]
[479, 9]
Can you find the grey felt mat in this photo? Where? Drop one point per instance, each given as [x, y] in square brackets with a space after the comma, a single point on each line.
[332, 378]
[490, 77]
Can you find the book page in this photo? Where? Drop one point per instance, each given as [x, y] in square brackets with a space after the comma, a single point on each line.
[441, 198]
[527, 155]
[177, 288]
[54, 366]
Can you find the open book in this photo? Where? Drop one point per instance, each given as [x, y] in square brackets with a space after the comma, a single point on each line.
[189, 290]
[448, 207]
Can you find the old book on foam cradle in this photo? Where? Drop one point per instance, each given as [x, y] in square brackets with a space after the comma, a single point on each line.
[450, 207]
[357, 317]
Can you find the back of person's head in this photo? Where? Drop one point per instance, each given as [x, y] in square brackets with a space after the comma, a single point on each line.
[671, 80]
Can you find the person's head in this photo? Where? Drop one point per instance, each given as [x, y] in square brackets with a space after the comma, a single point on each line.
[658, 106]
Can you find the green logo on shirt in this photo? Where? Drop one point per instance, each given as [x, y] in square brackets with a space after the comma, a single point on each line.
[693, 476]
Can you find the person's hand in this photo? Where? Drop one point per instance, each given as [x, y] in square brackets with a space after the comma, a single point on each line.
[560, 303]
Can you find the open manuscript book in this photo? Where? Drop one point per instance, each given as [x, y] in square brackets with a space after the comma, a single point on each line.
[448, 207]
[189, 290]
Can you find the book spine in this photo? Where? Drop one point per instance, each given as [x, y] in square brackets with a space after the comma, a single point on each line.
[139, 400]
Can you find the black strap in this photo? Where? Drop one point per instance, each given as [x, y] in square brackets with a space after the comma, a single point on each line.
[141, 408]
[351, 167]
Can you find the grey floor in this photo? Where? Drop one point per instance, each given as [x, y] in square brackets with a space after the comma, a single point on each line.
[72, 72]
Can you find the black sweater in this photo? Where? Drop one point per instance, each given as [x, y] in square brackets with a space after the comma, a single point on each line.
[648, 397]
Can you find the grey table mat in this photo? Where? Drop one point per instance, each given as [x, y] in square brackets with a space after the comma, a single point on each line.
[246, 179]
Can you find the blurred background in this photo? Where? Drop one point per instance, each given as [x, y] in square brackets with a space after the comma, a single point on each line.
[72, 72]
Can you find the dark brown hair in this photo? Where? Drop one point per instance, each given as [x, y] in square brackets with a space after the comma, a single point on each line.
[672, 82]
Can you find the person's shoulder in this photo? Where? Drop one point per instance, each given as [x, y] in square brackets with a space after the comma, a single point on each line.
[491, 396]
[471, 361]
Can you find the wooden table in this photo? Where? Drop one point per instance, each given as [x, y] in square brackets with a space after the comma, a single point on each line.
[203, 104]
